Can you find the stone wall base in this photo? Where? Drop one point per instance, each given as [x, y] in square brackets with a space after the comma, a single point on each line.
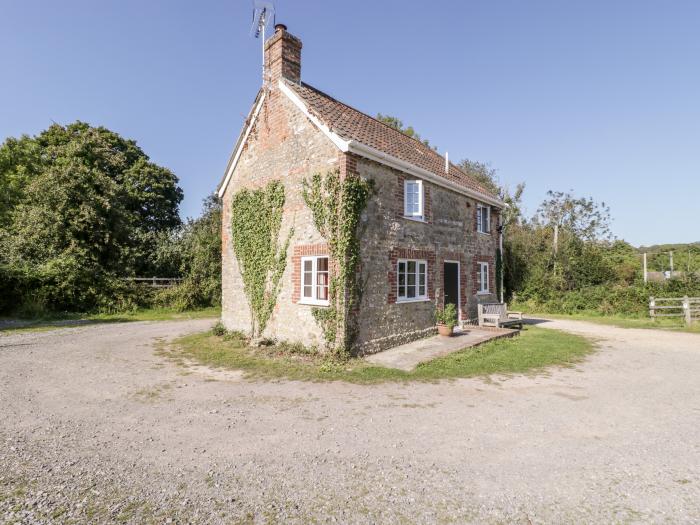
[390, 341]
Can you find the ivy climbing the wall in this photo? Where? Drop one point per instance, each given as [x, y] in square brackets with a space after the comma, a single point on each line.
[336, 206]
[256, 220]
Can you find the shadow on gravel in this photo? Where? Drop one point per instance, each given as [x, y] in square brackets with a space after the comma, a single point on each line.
[532, 321]
[10, 325]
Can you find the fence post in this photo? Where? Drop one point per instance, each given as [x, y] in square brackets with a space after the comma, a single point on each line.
[652, 309]
[686, 310]
[153, 282]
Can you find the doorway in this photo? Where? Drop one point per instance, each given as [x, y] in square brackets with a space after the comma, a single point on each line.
[450, 284]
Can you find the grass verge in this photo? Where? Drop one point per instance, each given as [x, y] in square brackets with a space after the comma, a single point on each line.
[670, 324]
[67, 320]
[533, 351]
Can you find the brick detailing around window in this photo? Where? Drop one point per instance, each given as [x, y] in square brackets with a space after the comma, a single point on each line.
[300, 251]
[463, 279]
[407, 253]
[399, 197]
[490, 259]
[427, 204]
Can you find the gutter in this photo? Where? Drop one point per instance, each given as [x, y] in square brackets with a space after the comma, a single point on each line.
[379, 156]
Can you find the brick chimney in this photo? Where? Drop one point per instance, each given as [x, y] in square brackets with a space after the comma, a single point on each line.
[283, 56]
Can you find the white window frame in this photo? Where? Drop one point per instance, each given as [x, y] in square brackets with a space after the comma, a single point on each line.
[414, 214]
[483, 280]
[417, 298]
[480, 226]
[314, 300]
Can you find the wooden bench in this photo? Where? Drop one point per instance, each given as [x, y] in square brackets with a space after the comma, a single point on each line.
[498, 316]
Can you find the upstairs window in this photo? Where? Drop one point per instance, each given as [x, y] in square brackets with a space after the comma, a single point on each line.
[412, 280]
[482, 278]
[483, 218]
[314, 280]
[413, 199]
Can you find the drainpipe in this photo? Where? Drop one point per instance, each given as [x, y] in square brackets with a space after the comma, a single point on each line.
[500, 247]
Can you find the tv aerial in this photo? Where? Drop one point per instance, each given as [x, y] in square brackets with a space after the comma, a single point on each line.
[263, 13]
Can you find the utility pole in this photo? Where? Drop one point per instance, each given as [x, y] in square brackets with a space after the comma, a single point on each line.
[670, 254]
[646, 277]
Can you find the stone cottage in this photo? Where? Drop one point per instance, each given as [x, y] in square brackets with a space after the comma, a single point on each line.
[428, 236]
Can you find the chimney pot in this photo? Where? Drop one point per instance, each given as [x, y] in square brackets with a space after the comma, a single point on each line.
[283, 56]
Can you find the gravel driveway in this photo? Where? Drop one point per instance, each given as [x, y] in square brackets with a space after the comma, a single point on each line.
[95, 426]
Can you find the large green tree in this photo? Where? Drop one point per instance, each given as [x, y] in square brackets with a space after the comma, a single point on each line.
[80, 205]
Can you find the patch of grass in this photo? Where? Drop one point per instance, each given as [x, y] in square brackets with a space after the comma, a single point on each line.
[533, 351]
[671, 324]
[67, 320]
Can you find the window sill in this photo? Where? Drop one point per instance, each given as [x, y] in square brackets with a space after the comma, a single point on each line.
[311, 302]
[483, 293]
[414, 219]
[484, 233]
[417, 300]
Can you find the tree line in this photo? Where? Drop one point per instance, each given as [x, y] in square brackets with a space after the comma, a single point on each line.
[81, 209]
[565, 259]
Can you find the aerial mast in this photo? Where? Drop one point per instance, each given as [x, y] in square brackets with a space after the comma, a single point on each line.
[263, 12]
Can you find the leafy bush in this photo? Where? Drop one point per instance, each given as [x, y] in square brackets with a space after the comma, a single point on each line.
[219, 329]
[447, 315]
[613, 299]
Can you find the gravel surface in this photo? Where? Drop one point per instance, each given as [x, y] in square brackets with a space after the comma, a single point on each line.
[96, 427]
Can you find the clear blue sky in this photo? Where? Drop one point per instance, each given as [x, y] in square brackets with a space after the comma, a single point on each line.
[602, 97]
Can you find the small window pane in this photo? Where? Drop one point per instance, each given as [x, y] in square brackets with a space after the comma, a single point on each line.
[411, 291]
[402, 291]
[322, 278]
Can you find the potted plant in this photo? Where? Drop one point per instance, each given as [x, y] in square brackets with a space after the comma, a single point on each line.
[446, 319]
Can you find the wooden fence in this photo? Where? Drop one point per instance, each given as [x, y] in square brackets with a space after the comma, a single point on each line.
[687, 308]
[156, 282]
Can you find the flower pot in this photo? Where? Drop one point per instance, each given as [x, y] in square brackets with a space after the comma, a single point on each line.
[444, 330]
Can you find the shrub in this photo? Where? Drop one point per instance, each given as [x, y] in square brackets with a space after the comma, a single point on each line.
[447, 315]
[219, 329]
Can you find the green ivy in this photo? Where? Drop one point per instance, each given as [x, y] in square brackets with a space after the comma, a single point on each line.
[256, 220]
[336, 206]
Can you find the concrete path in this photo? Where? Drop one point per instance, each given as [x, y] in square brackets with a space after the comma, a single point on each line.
[407, 357]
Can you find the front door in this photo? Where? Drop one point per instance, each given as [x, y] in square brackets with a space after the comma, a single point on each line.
[451, 283]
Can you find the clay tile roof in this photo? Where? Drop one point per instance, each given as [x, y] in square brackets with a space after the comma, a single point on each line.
[352, 124]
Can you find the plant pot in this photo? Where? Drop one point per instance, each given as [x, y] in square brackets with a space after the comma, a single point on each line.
[444, 330]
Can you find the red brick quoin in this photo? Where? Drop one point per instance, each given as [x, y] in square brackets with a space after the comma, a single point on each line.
[407, 253]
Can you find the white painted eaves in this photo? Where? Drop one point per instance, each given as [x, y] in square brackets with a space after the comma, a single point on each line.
[233, 160]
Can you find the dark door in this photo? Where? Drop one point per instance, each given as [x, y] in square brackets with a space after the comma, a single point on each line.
[451, 283]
